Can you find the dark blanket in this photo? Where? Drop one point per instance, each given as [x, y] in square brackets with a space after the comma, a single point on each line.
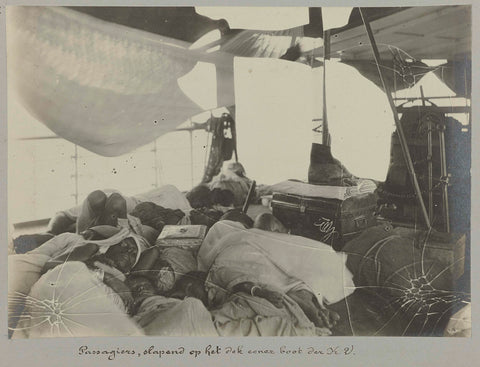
[156, 216]
[400, 284]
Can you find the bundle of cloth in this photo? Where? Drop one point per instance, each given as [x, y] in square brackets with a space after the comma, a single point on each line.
[72, 286]
[302, 274]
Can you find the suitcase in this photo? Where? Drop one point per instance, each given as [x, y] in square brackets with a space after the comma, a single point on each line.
[331, 221]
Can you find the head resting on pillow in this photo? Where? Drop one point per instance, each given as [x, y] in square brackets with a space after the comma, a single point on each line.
[117, 244]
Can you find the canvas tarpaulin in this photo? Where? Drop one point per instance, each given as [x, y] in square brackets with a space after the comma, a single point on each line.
[103, 86]
[457, 75]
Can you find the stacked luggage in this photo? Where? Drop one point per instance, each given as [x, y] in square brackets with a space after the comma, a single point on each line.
[322, 215]
[446, 189]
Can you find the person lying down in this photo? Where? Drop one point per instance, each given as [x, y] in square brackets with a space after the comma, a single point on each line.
[270, 283]
[80, 290]
[249, 307]
[246, 289]
[144, 214]
[251, 311]
[243, 289]
[109, 207]
[180, 312]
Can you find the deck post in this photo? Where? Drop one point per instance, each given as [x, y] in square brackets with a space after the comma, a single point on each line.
[401, 135]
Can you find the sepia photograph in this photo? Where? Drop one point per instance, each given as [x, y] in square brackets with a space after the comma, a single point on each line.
[199, 171]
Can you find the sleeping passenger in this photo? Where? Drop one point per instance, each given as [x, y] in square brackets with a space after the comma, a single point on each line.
[209, 205]
[165, 266]
[253, 272]
[108, 206]
[111, 263]
[234, 179]
[181, 313]
[227, 190]
[304, 298]
[82, 279]
[25, 269]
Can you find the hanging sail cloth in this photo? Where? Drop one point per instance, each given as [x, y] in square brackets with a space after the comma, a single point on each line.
[457, 75]
[399, 75]
[273, 44]
[103, 86]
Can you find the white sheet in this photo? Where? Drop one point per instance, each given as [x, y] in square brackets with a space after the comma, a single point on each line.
[293, 259]
[70, 300]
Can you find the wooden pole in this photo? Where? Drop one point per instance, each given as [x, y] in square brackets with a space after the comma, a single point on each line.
[429, 161]
[401, 135]
[76, 174]
[191, 154]
[326, 56]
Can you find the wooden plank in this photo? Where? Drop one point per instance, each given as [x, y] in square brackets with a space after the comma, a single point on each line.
[29, 224]
[421, 21]
[444, 109]
[455, 38]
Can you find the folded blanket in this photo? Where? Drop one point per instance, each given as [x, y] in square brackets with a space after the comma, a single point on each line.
[361, 186]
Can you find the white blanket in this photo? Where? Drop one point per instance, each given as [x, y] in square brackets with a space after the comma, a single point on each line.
[234, 254]
[71, 300]
[25, 282]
